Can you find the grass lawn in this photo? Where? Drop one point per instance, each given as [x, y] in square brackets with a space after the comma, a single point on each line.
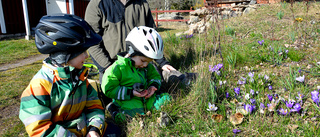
[15, 49]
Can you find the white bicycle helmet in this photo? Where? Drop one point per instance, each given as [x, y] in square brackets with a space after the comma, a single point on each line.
[145, 40]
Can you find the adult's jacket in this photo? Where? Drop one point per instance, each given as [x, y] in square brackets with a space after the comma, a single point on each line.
[50, 108]
[113, 21]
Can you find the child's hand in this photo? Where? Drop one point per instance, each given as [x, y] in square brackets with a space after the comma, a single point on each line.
[140, 94]
[93, 134]
[151, 91]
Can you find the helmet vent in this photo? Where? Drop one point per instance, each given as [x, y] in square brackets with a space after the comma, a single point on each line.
[150, 30]
[145, 47]
[151, 45]
[145, 32]
[158, 44]
[79, 30]
[44, 29]
[67, 40]
[58, 22]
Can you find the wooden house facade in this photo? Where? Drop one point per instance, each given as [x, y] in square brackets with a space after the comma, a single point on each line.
[12, 13]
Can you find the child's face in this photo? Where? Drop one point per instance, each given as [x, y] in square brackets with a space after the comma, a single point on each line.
[141, 61]
[78, 61]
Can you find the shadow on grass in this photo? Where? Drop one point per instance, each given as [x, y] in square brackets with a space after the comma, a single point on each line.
[160, 29]
[184, 61]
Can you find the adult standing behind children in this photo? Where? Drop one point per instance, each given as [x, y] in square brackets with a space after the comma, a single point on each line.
[113, 20]
[131, 81]
[59, 101]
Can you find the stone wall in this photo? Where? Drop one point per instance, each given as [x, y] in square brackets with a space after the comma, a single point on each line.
[201, 19]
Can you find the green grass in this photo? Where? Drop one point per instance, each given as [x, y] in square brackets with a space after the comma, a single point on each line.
[12, 50]
[237, 48]
[13, 82]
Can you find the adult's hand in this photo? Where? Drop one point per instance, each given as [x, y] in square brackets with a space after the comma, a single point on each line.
[168, 68]
[93, 134]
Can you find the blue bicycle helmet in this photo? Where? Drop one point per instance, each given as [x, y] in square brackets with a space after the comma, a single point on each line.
[64, 33]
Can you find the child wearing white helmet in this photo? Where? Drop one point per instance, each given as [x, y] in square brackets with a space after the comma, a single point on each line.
[132, 81]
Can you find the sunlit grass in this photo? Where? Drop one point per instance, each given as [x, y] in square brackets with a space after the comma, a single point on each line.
[12, 50]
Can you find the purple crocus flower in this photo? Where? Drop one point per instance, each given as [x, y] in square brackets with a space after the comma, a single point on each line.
[276, 96]
[236, 131]
[219, 66]
[270, 87]
[251, 74]
[237, 90]
[261, 42]
[262, 106]
[290, 103]
[212, 69]
[241, 82]
[270, 97]
[315, 97]
[227, 95]
[300, 96]
[299, 70]
[283, 111]
[251, 80]
[218, 73]
[269, 105]
[190, 36]
[253, 101]
[266, 77]
[252, 92]
[216, 68]
[249, 108]
[296, 108]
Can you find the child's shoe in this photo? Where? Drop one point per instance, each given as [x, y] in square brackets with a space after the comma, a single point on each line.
[113, 109]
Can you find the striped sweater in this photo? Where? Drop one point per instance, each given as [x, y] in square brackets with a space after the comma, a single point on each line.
[49, 106]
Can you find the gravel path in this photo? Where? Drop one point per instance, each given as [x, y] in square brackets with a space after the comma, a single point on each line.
[23, 62]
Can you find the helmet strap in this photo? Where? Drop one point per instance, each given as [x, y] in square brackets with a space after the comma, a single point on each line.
[67, 58]
[59, 58]
[131, 51]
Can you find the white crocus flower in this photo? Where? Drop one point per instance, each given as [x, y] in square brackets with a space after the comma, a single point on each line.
[300, 79]
[247, 96]
[212, 107]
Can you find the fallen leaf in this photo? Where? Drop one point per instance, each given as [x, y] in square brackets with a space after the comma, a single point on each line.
[236, 119]
[217, 118]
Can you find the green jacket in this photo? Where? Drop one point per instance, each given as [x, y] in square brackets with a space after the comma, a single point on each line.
[113, 21]
[50, 108]
[119, 78]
